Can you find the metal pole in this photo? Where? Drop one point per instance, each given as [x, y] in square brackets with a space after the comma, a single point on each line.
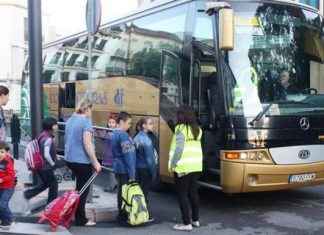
[90, 195]
[35, 66]
[35, 69]
[89, 65]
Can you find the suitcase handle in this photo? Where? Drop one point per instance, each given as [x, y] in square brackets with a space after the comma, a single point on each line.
[107, 168]
[88, 183]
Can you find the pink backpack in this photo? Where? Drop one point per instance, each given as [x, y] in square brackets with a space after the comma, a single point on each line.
[33, 156]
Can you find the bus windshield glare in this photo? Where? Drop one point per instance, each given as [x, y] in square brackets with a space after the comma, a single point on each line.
[277, 60]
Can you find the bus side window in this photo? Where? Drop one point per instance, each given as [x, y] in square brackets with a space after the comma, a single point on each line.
[61, 97]
[70, 95]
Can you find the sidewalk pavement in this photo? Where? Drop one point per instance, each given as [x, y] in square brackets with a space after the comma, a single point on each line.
[102, 208]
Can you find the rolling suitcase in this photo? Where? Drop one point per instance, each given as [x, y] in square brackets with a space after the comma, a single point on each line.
[63, 208]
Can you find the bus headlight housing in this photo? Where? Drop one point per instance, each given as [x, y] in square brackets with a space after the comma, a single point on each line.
[248, 156]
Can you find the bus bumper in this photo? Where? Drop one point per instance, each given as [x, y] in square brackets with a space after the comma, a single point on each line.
[243, 177]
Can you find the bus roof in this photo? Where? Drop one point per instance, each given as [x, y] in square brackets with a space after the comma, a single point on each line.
[160, 5]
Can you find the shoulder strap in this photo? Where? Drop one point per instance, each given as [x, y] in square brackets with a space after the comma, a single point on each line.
[43, 135]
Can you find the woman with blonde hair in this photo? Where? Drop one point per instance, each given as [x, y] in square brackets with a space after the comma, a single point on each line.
[80, 156]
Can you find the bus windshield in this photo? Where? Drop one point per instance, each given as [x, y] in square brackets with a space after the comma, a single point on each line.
[277, 60]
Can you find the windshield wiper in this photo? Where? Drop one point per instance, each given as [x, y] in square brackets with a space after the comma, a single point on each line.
[259, 116]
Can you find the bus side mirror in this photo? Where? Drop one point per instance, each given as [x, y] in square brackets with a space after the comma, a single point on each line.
[226, 29]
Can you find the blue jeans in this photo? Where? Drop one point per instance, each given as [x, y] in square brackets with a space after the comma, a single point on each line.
[48, 180]
[5, 213]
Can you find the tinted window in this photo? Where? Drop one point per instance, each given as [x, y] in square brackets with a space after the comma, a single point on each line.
[203, 31]
[149, 35]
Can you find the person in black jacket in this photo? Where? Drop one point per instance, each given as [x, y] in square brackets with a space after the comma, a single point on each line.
[4, 98]
[46, 172]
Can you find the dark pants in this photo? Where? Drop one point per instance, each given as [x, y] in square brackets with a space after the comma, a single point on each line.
[144, 180]
[82, 172]
[187, 194]
[47, 180]
[5, 213]
[121, 180]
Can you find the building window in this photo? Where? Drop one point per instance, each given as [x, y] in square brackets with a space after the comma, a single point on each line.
[26, 33]
[313, 3]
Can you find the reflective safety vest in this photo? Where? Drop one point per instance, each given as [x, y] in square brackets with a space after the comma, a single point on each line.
[191, 158]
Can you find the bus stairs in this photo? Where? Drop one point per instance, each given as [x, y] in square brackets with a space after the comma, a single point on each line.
[210, 179]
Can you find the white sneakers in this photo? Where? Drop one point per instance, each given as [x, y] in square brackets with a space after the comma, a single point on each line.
[196, 224]
[90, 223]
[183, 227]
[26, 211]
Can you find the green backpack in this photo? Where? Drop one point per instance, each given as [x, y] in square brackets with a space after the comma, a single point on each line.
[134, 209]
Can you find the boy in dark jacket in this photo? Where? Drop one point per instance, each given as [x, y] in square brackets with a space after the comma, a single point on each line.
[124, 154]
[7, 184]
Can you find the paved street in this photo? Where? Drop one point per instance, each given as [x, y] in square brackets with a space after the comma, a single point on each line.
[286, 212]
[297, 211]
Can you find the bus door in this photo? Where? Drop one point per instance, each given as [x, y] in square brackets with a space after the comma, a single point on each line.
[204, 101]
[170, 101]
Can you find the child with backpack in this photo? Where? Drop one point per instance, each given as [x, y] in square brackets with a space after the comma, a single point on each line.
[46, 171]
[145, 157]
[7, 184]
[123, 149]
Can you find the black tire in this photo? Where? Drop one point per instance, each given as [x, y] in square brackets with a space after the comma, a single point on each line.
[67, 176]
[59, 178]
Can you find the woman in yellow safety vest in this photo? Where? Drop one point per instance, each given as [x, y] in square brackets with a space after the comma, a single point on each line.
[185, 161]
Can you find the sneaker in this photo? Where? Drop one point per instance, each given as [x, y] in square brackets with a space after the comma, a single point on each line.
[6, 225]
[90, 223]
[196, 224]
[182, 227]
[110, 189]
[26, 210]
[151, 219]
[26, 213]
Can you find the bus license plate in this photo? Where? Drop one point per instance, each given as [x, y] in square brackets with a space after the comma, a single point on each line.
[302, 178]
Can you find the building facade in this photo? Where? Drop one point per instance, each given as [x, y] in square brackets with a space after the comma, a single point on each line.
[314, 3]
[14, 45]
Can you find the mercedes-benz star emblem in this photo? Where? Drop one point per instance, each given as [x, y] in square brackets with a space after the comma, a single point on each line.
[304, 123]
[304, 154]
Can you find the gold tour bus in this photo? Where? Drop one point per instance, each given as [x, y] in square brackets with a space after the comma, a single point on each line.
[251, 70]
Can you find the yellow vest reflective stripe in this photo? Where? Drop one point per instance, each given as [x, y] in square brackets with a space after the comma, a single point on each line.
[191, 158]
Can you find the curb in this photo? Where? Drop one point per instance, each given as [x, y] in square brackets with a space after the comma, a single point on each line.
[97, 215]
[93, 212]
